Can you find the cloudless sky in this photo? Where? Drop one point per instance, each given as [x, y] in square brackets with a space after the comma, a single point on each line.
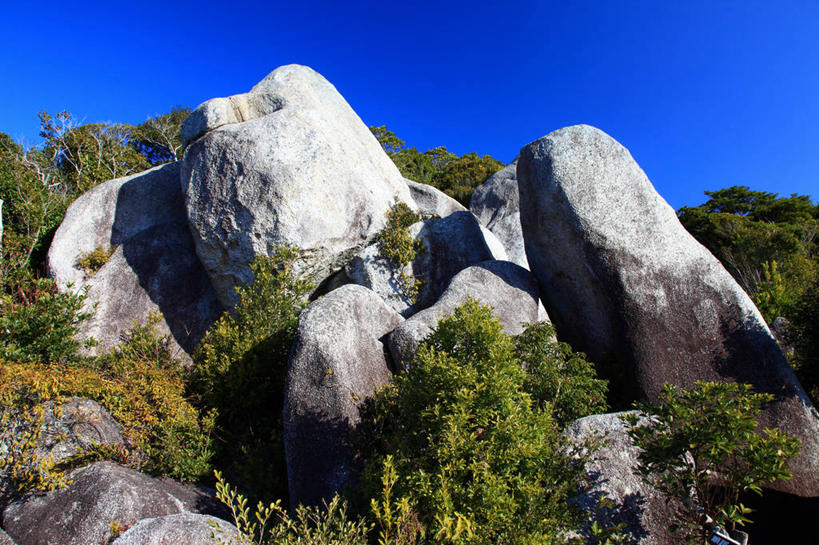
[705, 94]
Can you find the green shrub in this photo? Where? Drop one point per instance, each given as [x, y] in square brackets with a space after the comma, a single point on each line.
[240, 369]
[93, 261]
[38, 324]
[702, 448]
[473, 455]
[399, 248]
[805, 326]
[556, 375]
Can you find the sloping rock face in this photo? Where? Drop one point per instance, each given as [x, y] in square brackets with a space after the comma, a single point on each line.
[337, 361]
[180, 529]
[100, 494]
[432, 201]
[497, 205]
[620, 276]
[5, 539]
[154, 267]
[509, 289]
[308, 173]
[612, 474]
[450, 244]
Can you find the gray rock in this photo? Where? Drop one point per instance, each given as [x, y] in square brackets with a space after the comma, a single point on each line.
[509, 289]
[100, 494]
[432, 201]
[179, 529]
[496, 203]
[153, 269]
[5, 539]
[450, 245]
[309, 174]
[622, 278]
[612, 474]
[337, 361]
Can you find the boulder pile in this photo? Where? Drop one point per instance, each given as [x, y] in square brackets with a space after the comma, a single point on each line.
[573, 225]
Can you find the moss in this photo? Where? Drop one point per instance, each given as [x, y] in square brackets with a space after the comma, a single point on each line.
[93, 261]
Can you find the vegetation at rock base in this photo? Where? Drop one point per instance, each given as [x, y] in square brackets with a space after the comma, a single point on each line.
[93, 261]
[465, 447]
[239, 373]
[769, 244]
[702, 448]
[456, 176]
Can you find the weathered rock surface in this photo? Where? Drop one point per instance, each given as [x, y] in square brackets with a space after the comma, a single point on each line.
[450, 245]
[101, 493]
[5, 539]
[612, 474]
[497, 205]
[179, 529]
[337, 360]
[432, 201]
[308, 173]
[509, 289]
[620, 276]
[154, 267]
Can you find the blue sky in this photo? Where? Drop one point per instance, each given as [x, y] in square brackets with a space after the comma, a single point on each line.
[704, 94]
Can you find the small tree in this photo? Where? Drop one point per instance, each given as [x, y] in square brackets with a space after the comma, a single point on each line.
[703, 447]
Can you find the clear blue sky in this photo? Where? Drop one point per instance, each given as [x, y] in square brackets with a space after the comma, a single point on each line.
[704, 94]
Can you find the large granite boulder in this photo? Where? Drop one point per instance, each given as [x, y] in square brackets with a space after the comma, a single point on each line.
[5, 539]
[336, 362]
[432, 201]
[450, 244]
[612, 474]
[100, 494]
[496, 204]
[153, 268]
[180, 529]
[300, 170]
[509, 289]
[623, 281]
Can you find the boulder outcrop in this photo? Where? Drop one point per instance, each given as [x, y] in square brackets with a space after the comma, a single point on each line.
[153, 267]
[509, 289]
[100, 494]
[337, 361]
[622, 279]
[180, 529]
[432, 201]
[496, 204]
[304, 172]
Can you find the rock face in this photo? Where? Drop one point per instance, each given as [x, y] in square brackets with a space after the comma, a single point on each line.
[509, 289]
[431, 201]
[302, 169]
[179, 529]
[100, 494]
[154, 267]
[620, 276]
[337, 360]
[450, 245]
[497, 205]
[5, 539]
[612, 474]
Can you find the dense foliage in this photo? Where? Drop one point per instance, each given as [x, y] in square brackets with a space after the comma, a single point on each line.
[702, 447]
[239, 372]
[473, 455]
[456, 176]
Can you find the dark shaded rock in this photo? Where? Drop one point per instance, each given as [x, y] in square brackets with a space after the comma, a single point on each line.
[154, 267]
[612, 474]
[179, 529]
[302, 170]
[337, 361]
[450, 245]
[509, 289]
[496, 204]
[100, 494]
[622, 280]
[432, 201]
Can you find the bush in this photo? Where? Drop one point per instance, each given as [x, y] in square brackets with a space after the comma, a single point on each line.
[39, 324]
[473, 455]
[805, 324]
[93, 261]
[702, 448]
[240, 370]
[399, 248]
